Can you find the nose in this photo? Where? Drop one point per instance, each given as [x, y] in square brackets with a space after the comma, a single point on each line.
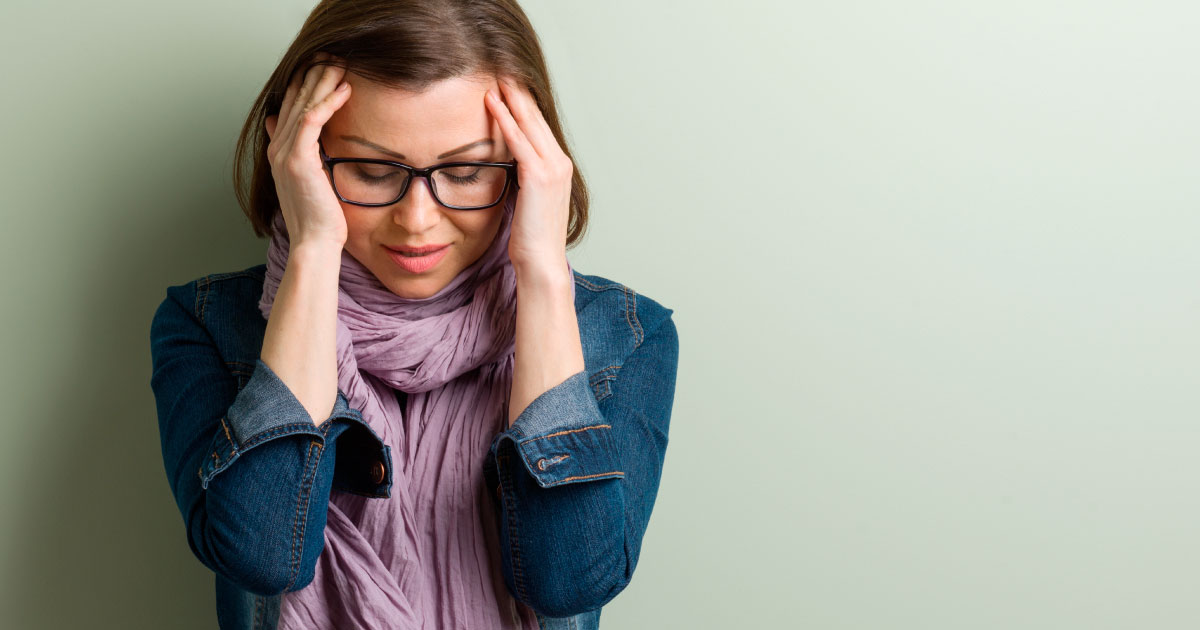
[418, 210]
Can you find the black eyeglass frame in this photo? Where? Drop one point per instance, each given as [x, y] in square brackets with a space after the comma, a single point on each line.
[413, 173]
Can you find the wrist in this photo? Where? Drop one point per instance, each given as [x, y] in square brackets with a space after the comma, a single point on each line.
[315, 256]
[322, 249]
[543, 274]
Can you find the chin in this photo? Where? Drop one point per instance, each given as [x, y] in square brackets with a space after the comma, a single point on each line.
[412, 288]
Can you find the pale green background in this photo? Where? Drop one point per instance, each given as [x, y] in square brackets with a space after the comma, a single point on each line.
[933, 265]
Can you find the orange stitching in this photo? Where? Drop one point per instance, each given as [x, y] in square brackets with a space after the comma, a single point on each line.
[608, 367]
[631, 302]
[593, 286]
[227, 436]
[615, 472]
[302, 521]
[599, 381]
[598, 426]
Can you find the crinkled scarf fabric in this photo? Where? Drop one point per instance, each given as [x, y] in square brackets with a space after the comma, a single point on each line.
[428, 556]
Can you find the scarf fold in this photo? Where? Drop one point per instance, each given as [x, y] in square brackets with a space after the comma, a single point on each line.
[429, 556]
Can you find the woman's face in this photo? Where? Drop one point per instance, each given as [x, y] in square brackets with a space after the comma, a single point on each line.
[418, 129]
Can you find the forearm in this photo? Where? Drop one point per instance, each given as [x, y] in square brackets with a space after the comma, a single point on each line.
[548, 348]
[576, 475]
[300, 342]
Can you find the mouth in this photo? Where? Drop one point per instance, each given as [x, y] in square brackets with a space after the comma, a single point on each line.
[417, 251]
[417, 260]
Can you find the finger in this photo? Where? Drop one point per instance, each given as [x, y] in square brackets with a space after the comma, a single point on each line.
[326, 85]
[529, 116]
[289, 98]
[270, 124]
[316, 117]
[522, 150]
[285, 107]
[301, 103]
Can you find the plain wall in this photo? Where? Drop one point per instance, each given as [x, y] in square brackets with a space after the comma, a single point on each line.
[933, 266]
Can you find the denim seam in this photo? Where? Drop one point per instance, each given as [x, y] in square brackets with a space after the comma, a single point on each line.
[601, 379]
[229, 437]
[233, 454]
[263, 436]
[595, 426]
[631, 316]
[241, 374]
[196, 297]
[302, 519]
[513, 528]
[588, 284]
[620, 475]
[347, 416]
[203, 303]
[612, 368]
[258, 612]
[204, 285]
[240, 367]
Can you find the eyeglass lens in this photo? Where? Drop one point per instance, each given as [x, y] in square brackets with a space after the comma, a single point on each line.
[453, 185]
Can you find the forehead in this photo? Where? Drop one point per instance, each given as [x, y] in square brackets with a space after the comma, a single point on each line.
[446, 115]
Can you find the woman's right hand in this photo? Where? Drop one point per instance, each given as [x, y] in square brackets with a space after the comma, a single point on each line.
[310, 208]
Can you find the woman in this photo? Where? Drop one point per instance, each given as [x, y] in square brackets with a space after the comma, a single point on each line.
[416, 414]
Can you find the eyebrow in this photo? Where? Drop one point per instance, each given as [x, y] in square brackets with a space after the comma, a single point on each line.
[400, 156]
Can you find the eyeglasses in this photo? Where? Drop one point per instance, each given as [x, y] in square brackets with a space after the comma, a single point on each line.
[455, 185]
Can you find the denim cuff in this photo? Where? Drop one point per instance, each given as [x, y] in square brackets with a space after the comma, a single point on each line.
[561, 437]
[266, 404]
[265, 409]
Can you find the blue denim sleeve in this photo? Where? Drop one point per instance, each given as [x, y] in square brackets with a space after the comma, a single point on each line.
[250, 472]
[575, 481]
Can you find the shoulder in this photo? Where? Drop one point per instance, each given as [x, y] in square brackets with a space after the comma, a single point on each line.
[225, 304]
[618, 305]
[218, 290]
[616, 319]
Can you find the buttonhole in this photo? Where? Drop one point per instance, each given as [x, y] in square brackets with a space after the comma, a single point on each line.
[545, 463]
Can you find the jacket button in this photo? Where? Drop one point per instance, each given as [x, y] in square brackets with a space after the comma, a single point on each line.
[377, 471]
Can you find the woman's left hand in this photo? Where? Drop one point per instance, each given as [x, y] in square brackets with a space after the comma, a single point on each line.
[539, 224]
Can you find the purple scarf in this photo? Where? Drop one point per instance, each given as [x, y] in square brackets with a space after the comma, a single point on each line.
[428, 556]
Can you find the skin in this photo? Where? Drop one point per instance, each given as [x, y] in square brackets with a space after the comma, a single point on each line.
[420, 126]
[300, 341]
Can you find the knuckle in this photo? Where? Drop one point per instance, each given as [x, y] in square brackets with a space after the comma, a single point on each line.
[310, 116]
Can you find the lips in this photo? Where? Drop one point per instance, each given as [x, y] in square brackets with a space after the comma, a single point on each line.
[419, 263]
[417, 250]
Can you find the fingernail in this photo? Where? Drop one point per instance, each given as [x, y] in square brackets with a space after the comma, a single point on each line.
[342, 86]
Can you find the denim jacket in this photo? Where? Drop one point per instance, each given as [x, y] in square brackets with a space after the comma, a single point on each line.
[575, 476]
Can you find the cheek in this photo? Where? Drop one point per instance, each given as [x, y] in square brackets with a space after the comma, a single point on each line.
[359, 225]
[480, 232]
[485, 226]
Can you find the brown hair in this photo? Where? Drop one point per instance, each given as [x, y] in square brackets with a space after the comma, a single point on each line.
[405, 44]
